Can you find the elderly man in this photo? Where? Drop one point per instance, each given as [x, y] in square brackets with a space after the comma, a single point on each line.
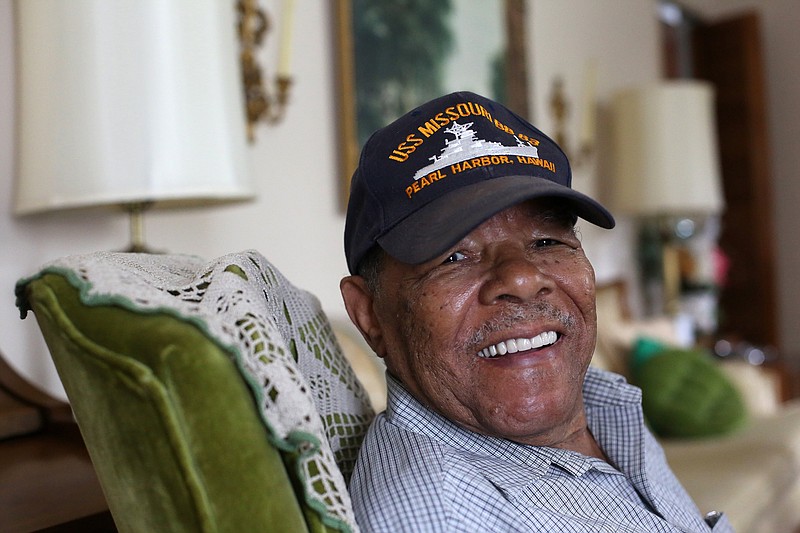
[469, 280]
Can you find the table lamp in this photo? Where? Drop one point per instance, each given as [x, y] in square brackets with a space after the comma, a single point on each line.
[132, 103]
[666, 167]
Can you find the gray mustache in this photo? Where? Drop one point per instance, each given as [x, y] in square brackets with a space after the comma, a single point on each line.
[516, 314]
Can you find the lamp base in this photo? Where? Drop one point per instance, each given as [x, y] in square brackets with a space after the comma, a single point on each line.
[677, 267]
[137, 243]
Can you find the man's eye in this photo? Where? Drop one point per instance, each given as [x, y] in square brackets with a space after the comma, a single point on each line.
[455, 257]
[544, 243]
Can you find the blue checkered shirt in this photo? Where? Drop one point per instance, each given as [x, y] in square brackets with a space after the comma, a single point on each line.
[418, 472]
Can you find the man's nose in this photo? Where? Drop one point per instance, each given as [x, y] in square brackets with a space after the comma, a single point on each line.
[516, 277]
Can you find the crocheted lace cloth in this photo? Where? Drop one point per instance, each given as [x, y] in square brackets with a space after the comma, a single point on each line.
[311, 402]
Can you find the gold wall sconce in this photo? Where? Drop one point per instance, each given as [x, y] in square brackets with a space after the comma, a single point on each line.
[263, 103]
[560, 111]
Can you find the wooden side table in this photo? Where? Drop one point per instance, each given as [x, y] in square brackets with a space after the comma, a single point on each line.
[47, 481]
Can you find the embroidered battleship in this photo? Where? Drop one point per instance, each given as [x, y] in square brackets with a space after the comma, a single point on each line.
[466, 146]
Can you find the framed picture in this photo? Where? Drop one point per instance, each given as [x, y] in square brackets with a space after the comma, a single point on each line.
[612, 300]
[393, 56]
[613, 317]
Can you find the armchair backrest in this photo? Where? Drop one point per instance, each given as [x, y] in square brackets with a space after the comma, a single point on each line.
[212, 396]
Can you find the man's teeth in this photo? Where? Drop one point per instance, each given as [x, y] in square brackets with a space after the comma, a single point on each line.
[519, 345]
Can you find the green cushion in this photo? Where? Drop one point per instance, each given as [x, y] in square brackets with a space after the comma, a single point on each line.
[685, 394]
[170, 425]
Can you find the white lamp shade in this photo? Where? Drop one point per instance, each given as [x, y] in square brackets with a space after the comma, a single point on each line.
[129, 101]
[666, 158]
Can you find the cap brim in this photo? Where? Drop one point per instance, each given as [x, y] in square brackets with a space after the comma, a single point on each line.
[433, 229]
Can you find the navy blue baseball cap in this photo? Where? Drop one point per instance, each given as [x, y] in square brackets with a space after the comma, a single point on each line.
[429, 178]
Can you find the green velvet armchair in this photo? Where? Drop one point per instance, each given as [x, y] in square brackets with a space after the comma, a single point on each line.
[212, 396]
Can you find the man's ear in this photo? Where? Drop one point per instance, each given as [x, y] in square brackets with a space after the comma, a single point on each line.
[359, 300]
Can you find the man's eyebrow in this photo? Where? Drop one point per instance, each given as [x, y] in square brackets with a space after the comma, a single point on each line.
[561, 215]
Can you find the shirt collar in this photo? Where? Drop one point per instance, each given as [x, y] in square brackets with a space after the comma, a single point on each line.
[510, 465]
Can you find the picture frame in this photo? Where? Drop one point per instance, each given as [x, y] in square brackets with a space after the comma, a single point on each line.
[613, 313]
[611, 300]
[373, 85]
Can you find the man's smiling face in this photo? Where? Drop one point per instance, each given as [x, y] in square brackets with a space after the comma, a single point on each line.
[497, 333]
